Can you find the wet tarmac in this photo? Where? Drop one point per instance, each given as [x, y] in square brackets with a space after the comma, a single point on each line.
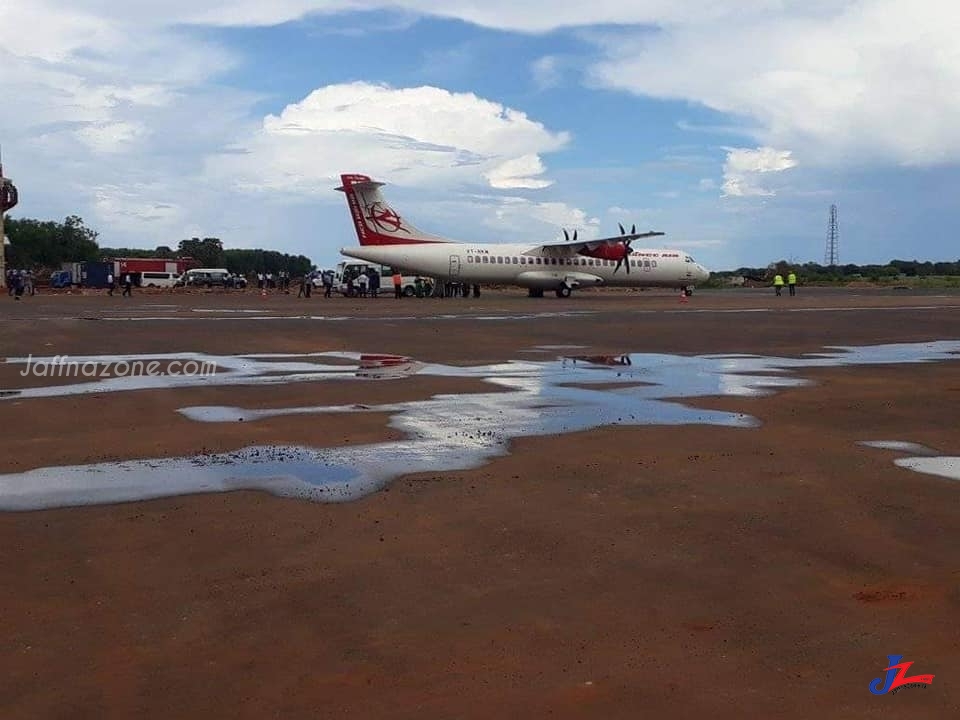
[442, 433]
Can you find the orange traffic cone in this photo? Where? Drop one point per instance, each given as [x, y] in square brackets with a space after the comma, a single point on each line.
[683, 296]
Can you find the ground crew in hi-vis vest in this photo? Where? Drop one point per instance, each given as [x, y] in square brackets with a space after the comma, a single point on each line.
[792, 283]
[778, 283]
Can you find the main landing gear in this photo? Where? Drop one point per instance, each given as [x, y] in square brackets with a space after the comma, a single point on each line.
[688, 291]
[563, 291]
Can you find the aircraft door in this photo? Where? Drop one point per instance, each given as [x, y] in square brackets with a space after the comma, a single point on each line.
[454, 267]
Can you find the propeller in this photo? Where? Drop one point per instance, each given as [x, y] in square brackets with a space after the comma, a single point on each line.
[567, 235]
[626, 248]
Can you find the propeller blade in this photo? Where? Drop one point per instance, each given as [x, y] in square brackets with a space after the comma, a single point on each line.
[633, 229]
[622, 231]
[566, 235]
[574, 235]
[619, 262]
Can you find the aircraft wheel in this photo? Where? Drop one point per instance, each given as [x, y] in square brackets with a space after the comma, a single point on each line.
[535, 293]
[688, 291]
[563, 291]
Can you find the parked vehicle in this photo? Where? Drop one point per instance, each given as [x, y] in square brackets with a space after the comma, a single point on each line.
[205, 277]
[158, 279]
[345, 270]
[61, 279]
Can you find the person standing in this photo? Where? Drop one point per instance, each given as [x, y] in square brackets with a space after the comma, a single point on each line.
[111, 284]
[792, 282]
[778, 284]
[327, 283]
[397, 285]
[127, 286]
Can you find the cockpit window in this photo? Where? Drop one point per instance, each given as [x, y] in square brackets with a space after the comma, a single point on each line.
[689, 259]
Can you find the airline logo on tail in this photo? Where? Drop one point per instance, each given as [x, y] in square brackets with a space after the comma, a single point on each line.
[375, 221]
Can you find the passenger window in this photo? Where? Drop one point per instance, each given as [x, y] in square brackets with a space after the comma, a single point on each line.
[469, 258]
[485, 258]
[515, 261]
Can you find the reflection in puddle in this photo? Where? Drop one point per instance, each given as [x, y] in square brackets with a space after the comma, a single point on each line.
[442, 433]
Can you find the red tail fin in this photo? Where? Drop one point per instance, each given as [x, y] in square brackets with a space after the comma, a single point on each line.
[375, 221]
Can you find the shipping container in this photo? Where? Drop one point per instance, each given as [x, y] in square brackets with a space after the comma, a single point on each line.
[94, 274]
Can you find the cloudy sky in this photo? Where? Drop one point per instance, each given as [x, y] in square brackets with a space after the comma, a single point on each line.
[730, 125]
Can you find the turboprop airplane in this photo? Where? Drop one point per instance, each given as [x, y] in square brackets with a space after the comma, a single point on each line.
[387, 238]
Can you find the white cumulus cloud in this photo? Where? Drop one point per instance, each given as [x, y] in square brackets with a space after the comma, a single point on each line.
[421, 136]
[871, 80]
[744, 166]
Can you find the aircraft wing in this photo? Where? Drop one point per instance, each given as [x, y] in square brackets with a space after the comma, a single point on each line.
[578, 245]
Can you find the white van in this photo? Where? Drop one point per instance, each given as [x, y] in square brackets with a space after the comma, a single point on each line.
[205, 277]
[158, 279]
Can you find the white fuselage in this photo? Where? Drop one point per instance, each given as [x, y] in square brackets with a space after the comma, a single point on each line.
[533, 266]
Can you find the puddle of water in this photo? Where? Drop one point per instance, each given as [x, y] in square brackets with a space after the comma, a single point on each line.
[943, 466]
[200, 369]
[442, 433]
[925, 460]
[285, 471]
[900, 446]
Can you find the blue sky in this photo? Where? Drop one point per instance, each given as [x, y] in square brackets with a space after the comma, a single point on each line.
[731, 129]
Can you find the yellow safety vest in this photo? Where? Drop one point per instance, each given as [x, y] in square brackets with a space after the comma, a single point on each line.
[778, 280]
[791, 279]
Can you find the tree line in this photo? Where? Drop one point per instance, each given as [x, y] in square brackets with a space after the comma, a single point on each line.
[814, 272]
[46, 245]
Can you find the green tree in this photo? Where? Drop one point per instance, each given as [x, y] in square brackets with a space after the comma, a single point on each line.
[208, 252]
[39, 244]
